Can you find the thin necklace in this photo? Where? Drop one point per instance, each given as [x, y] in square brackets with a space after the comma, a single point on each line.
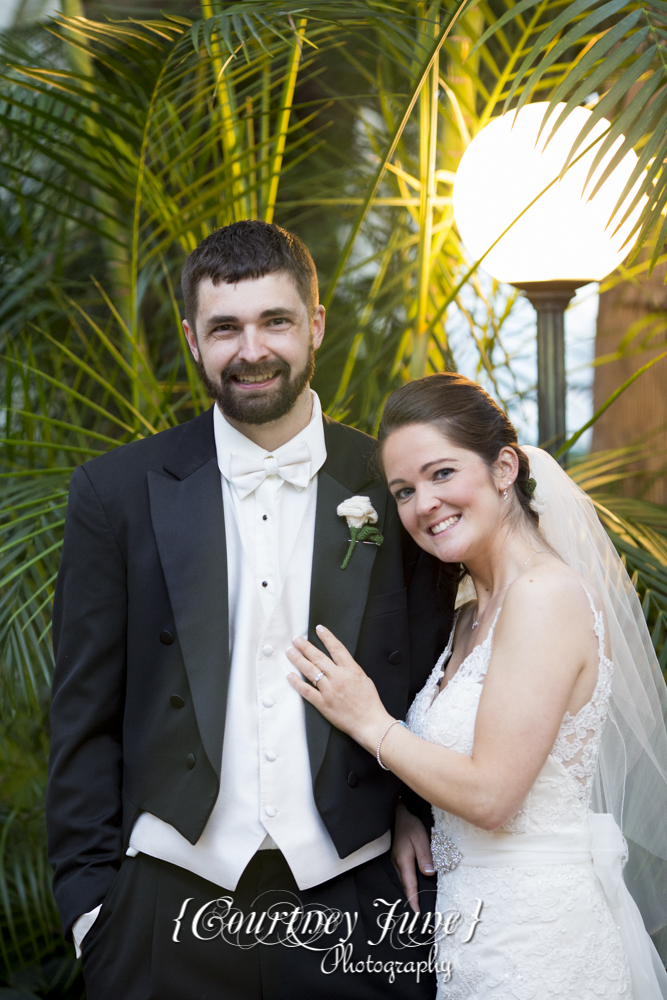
[476, 621]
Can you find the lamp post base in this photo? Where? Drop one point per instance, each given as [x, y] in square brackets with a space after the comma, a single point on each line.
[550, 299]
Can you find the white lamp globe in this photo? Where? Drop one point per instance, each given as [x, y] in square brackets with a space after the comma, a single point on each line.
[563, 236]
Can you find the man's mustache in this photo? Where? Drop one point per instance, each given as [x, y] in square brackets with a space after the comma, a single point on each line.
[264, 369]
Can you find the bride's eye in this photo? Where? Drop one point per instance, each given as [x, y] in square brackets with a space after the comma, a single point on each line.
[403, 494]
[442, 474]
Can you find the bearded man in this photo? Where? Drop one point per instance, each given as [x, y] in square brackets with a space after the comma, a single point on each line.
[198, 810]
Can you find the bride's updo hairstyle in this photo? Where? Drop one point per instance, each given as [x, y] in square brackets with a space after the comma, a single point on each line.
[469, 417]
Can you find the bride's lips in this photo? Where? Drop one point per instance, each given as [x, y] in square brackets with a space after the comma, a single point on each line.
[446, 524]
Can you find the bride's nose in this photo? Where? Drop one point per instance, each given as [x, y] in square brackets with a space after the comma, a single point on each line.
[426, 498]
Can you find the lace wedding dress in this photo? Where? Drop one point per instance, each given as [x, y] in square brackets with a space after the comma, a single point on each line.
[545, 929]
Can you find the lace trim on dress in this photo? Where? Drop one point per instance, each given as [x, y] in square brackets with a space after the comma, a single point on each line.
[476, 662]
[577, 744]
[546, 932]
[450, 721]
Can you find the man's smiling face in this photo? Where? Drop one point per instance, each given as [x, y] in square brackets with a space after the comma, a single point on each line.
[254, 345]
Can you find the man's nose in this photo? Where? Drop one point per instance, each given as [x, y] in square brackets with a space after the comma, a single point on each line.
[252, 347]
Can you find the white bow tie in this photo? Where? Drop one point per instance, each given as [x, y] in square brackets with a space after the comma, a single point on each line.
[294, 468]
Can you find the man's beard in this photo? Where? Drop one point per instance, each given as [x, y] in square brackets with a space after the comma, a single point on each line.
[260, 407]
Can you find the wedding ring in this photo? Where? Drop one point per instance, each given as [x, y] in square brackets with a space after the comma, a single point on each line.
[318, 678]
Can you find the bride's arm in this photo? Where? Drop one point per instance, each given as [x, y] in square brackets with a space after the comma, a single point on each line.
[544, 655]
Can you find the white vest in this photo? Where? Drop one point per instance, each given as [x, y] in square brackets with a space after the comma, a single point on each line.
[265, 783]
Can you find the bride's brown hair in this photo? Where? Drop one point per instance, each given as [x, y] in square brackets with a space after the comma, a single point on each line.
[465, 412]
[471, 419]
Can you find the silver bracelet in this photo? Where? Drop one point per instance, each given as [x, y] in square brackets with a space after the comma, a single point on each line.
[396, 722]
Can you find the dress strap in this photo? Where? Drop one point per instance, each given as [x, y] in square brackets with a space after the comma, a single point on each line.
[455, 619]
[493, 625]
[447, 651]
[598, 623]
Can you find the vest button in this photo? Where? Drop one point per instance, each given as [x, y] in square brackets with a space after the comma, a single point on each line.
[177, 701]
[271, 755]
[267, 650]
[395, 657]
[190, 760]
[270, 810]
[166, 637]
[268, 702]
[353, 779]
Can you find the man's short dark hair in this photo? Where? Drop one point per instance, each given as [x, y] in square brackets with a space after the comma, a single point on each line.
[249, 249]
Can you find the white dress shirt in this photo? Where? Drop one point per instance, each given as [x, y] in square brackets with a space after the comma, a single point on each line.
[265, 798]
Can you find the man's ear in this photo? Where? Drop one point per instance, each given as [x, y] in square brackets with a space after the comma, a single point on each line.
[191, 338]
[318, 327]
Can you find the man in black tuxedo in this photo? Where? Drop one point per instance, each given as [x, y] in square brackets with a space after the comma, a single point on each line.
[186, 790]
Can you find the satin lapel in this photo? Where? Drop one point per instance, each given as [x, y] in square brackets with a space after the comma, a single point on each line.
[337, 597]
[189, 526]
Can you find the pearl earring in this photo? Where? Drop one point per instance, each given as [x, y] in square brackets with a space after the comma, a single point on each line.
[505, 497]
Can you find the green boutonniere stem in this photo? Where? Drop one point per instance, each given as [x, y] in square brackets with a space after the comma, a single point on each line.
[366, 534]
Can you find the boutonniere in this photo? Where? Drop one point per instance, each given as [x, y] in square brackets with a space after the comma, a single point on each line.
[361, 517]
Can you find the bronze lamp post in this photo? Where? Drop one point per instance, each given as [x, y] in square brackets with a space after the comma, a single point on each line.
[528, 211]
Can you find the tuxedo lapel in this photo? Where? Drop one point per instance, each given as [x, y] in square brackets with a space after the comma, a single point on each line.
[188, 521]
[337, 596]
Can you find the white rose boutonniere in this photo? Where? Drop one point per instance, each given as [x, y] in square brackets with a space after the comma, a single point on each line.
[361, 517]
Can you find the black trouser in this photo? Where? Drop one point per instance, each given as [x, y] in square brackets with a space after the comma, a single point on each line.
[166, 934]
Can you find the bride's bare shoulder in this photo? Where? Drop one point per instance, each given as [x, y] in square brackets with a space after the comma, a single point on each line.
[549, 588]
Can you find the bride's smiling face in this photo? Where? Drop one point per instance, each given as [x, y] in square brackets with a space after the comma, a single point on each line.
[448, 499]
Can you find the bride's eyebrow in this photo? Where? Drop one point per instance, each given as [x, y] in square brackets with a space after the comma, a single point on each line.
[437, 461]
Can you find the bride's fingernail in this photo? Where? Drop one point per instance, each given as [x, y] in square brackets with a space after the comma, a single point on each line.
[429, 871]
[319, 628]
[291, 651]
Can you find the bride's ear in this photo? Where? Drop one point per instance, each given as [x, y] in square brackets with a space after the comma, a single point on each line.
[505, 469]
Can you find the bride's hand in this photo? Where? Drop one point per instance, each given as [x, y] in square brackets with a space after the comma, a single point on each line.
[344, 694]
[410, 845]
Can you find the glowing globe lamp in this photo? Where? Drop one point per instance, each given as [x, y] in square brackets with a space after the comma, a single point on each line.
[562, 241]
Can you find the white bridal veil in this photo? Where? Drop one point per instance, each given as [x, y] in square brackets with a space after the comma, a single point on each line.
[631, 779]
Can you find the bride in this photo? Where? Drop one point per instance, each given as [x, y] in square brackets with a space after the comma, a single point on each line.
[533, 715]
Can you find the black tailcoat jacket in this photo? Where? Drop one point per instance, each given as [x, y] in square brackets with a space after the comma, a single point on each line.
[142, 650]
